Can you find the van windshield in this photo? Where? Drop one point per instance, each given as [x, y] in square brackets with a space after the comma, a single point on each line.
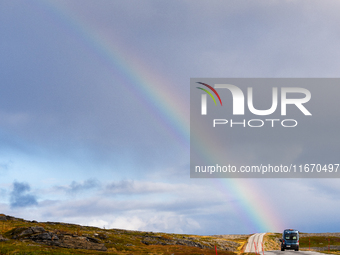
[291, 236]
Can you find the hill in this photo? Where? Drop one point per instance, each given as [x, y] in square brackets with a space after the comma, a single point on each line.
[19, 236]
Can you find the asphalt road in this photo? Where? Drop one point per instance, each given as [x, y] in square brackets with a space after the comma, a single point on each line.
[257, 239]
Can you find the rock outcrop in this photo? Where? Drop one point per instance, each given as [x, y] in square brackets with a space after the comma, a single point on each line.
[41, 236]
[2, 239]
[192, 242]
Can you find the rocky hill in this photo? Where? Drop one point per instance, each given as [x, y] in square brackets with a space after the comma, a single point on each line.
[19, 236]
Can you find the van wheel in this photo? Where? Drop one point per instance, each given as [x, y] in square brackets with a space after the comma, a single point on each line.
[297, 249]
[282, 249]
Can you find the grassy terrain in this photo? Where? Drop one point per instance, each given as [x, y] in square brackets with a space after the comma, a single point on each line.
[115, 240]
[271, 241]
[330, 252]
[319, 241]
[240, 239]
[243, 243]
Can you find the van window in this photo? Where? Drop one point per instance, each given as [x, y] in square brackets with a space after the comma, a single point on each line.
[291, 236]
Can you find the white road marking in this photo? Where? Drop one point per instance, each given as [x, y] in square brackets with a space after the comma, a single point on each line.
[255, 240]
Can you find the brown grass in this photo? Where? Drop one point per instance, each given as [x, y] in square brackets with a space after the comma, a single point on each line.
[271, 242]
[117, 241]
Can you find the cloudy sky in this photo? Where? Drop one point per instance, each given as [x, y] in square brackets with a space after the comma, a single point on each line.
[94, 110]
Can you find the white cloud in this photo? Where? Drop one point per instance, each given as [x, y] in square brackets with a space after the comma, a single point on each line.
[147, 221]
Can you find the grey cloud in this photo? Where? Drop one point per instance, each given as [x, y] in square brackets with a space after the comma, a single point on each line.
[103, 207]
[145, 188]
[58, 94]
[144, 196]
[20, 196]
[4, 167]
[64, 96]
[136, 187]
[78, 103]
[3, 192]
[239, 39]
[201, 203]
[76, 187]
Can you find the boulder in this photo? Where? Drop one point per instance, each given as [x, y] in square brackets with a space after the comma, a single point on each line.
[41, 236]
[29, 231]
[68, 241]
[2, 239]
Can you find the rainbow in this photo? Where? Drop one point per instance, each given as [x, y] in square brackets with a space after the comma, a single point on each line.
[169, 110]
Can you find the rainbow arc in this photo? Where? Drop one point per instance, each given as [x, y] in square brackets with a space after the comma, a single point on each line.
[155, 92]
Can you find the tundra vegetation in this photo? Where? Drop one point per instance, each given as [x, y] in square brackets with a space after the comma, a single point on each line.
[321, 242]
[19, 236]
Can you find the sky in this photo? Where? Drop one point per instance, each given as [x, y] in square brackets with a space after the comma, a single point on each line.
[94, 111]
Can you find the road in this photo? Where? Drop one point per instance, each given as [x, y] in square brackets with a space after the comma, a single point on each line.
[257, 239]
